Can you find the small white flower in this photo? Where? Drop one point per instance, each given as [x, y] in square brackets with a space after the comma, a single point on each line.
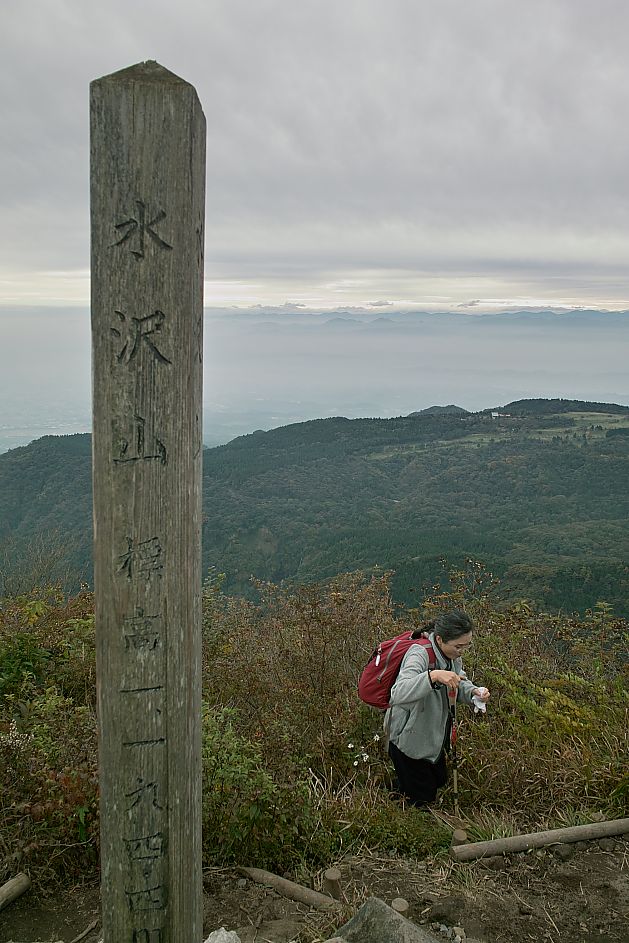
[355, 762]
[350, 746]
[365, 757]
[376, 738]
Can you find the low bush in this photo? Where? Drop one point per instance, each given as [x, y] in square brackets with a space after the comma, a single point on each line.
[294, 770]
[48, 754]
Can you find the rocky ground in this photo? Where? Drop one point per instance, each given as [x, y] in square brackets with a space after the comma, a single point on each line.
[575, 893]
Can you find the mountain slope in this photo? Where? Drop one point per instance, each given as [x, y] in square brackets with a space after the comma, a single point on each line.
[540, 496]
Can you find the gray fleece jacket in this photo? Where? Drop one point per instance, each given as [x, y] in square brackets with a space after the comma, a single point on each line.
[417, 718]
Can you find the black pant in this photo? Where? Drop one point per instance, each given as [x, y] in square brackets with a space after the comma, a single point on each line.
[418, 780]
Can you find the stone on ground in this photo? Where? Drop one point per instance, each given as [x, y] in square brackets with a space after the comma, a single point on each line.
[376, 922]
[223, 936]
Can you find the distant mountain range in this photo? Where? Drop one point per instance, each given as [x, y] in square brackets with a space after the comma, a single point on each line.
[536, 489]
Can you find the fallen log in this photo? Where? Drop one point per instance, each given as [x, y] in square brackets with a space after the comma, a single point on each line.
[501, 846]
[13, 889]
[291, 890]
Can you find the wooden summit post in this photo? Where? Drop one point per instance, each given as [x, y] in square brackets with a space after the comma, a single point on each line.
[147, 215]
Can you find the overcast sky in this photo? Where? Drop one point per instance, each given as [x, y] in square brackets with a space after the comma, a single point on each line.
[429, 152]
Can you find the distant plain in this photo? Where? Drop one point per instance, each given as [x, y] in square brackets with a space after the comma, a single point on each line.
[268, 367]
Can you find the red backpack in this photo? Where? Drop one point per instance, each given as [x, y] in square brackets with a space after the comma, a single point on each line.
[379, 674]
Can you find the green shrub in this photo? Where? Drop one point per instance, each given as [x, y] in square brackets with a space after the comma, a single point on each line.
[49, 787]
[247, 814]
[21, 660]
[294, 773]
[48, 757]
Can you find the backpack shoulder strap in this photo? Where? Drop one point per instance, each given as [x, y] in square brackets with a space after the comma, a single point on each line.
[427, 644]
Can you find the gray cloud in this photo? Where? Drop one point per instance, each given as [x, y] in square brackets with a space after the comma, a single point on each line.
[359, 149]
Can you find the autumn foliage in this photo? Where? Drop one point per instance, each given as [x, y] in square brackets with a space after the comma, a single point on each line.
[294, 769]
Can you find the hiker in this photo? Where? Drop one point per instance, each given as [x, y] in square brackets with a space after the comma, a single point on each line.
[419, 719]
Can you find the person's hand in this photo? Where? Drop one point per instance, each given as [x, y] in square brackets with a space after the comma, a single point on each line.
[449, 678]
[482, 693]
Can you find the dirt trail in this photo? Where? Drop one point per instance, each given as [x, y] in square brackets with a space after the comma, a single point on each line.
[571, 893]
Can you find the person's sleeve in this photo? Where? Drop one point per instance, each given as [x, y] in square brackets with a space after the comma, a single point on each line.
[465, 687]
[412, 682]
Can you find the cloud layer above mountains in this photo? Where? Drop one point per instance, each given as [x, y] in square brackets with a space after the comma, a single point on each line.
[366, 151]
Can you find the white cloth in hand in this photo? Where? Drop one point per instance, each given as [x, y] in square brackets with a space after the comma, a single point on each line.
[479, 705]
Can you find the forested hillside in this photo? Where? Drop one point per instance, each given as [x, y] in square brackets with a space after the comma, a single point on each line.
[536, 489]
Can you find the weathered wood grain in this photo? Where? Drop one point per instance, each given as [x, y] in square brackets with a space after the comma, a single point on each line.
[147, 218]
[13, 889]
[515, 843]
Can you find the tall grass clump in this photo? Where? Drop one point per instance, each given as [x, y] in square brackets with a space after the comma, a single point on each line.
[553, 742]
[556, 735]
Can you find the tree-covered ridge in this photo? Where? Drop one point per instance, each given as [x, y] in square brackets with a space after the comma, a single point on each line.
[540, 407]
[539, 496]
